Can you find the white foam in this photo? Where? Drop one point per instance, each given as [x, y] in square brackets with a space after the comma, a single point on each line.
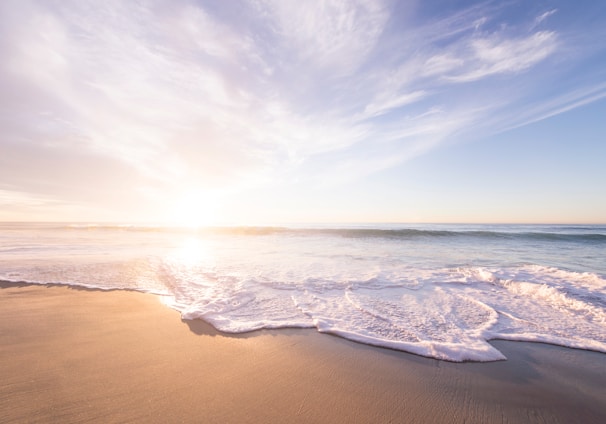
[412, 321]
[445, 314]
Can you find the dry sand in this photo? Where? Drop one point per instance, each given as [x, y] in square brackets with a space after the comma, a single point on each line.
[73, 355]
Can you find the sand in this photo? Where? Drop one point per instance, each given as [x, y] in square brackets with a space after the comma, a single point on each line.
[74, 355]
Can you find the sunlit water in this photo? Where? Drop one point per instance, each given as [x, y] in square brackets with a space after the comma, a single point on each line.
[440, 291]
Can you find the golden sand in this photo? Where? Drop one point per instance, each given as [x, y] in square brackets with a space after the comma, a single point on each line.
[74, 355]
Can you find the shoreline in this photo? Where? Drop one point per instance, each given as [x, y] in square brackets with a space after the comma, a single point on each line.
[70, 354]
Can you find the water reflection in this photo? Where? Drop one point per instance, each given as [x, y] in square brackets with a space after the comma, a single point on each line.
[192, 252]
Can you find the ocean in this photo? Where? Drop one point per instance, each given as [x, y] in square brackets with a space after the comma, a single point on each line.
[441, 291]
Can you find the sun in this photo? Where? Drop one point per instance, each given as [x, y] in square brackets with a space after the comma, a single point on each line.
[195, 209]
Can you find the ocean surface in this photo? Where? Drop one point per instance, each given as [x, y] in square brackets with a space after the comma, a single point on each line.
[441, 291]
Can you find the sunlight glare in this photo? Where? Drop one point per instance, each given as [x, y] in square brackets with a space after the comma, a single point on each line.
[191, 252]
[195, 209]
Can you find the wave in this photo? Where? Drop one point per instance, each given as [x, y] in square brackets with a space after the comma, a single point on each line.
[578, 234]
[408, 233]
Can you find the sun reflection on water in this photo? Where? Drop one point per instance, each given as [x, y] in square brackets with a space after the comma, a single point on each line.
[192, 252]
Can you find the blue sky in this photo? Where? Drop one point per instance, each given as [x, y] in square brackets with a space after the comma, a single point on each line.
[273, 111]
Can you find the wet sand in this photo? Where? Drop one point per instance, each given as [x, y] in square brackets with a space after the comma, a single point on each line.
[73, 355]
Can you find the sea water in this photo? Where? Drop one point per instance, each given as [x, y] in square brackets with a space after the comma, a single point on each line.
[441, 291]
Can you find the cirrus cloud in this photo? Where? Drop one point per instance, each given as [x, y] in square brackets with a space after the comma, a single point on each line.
[226, 97]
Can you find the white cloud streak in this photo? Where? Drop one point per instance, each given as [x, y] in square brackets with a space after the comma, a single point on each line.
[561, 104]
[544, 16]
[491, 56]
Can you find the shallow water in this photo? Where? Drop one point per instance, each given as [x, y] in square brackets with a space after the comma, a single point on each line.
[436, 290]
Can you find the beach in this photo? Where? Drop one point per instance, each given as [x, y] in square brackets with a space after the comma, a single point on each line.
[70, 354]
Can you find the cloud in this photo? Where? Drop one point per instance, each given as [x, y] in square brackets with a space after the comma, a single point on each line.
[494, 55]
[544, 16]
[386, 102]
[557, 105]
[168, 94]
[326, 34]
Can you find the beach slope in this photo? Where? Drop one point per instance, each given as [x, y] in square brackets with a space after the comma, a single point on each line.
[76, 355]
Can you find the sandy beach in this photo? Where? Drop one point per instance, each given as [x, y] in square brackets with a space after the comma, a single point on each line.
[75, 355]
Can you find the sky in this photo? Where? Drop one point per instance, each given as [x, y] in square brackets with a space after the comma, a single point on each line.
[282, 111]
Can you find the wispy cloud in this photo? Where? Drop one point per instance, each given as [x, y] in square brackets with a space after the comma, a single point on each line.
[538, 111]
[326, 35]
[497, 55]
[192, 93]
[544, 16]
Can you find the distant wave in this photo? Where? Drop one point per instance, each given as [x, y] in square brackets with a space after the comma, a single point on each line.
[580, 234]
[415, 233]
